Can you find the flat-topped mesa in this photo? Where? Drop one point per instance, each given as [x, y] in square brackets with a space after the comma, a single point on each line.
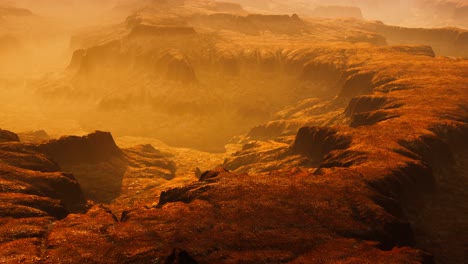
[145, 30]
[251, 24]
[448, 41]
[93, 148]
[368, 110]
[274, 18]
[226, 7]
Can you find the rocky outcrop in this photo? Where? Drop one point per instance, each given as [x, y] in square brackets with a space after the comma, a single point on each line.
[93, 148]
[369, 110]
[38, 136]
[95, 160]
[444, 41]
[326, 72]
[267, 131]
[187, 194]
[247, 85]
[252, 24]
[317, 142]
[179, 256]
[175, 66]
[149, 159]
[212, 174]
[371, 118]
[7, 136]
[142, 30]
[77, 59]
[104, 171]
[357, 83]
[366, 103]
[372, 38]
[33, 186]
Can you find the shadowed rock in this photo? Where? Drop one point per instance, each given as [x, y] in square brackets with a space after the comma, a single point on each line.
[366, 103]
[93, 148]
[370, 118]
[357, 84]
[31, 185]
[179, 256]
[7, 136]
[212, 174]
[77, 59]
[184, 194]
[33, 136]
[95, 160]
[316, 142]
[447, 41]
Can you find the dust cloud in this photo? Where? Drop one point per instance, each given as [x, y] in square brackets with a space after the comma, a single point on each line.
[70, 67]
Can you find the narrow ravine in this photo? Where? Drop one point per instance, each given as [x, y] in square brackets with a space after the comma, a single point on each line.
[439, 218]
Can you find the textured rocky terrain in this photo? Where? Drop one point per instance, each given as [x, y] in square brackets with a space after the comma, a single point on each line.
[412, 13]
[216, 73]
[239, 137]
